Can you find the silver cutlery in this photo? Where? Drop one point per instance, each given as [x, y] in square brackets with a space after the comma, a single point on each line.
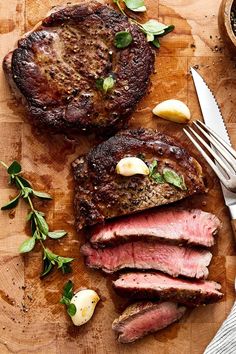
[219, 145]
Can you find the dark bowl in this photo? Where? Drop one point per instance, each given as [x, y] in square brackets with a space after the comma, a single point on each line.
[225, 26]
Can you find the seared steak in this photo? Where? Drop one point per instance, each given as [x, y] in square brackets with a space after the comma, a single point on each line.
[101, 193]
[194, 227]
[142, 318]
[55, 68]
[170, 259]
[149, 285]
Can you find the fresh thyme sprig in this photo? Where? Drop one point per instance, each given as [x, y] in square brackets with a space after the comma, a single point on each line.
[39, 227]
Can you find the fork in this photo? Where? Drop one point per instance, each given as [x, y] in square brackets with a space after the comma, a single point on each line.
[225, 166]
[223, 153]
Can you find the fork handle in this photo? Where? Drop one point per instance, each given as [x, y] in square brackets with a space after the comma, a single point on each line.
[233, 224]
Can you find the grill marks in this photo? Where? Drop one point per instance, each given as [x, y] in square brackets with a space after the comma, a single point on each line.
[170, 259]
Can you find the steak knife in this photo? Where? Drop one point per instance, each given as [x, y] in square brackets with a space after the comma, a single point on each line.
[214, 120]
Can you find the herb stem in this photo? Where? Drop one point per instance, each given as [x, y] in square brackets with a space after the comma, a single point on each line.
[19, 182]
[39, 227]
[31, 204]
[120, 8]
[3, 164]
[41, 242]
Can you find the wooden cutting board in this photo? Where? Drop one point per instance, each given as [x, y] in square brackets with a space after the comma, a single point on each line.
[31, 319]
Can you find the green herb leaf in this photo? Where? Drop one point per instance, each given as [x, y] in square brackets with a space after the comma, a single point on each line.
[123, 39]
[153, 174]
[57, 234]
[68, 290]
[41, 195]
[135, 5]
[41, 222]
[172, 177]
[105, 84]
[108, 83]
[66, 268]
[29, 216]
[14, 168]
[169, 29]
[65, 301]
[158, 178]
[24, 182]
[99, 84]
[67, 296]
[154, 27]
[156, 42]
[62, 260]
[27, 245]
[71, 310]
[152, 168]
[47, 267]
[12, 204]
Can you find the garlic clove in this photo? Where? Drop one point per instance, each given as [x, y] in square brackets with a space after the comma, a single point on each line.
[85, 302]
[173, 110]
[129, 166]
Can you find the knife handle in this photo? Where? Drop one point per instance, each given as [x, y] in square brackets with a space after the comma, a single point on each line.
[233, 224]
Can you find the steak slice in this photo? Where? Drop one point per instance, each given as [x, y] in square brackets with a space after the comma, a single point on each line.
[147, 285]
[194, 227]
[102, 194]
[142, 318]
[56, 65]
[170, 259]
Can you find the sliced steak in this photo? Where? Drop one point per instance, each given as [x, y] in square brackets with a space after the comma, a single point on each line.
[194, 227]
[142, 318]
[170, 259]
[102, 194]
[56, 65]
[147, 285]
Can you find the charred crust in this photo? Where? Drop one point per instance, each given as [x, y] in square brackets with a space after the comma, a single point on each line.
[115, 195]
[55, 68]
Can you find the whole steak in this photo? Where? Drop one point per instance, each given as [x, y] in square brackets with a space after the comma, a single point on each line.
[102, 194]
[56, 67]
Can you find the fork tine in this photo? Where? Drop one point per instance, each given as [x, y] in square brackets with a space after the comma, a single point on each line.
[207, 158]
[222, 150]
[212, 152]
[222, 141]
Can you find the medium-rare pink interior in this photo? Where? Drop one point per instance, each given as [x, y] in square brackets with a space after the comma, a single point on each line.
[144, 285]
[170, 259]
[182, 226]
[142, 318]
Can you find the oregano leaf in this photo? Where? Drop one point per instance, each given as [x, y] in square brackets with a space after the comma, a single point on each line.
[27, 245]
[14, 168]
[57, 234]
[123, 39]
[42, 195]
[71, 309]
[12, 203]
[173, 178]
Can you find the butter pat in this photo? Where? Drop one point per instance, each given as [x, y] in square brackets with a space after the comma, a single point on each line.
[173, 110]
[129, 166]
[85, 302]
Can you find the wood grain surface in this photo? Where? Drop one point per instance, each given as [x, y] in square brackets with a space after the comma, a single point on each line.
[31, 319]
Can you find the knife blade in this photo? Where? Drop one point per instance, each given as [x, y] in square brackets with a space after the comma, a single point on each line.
[214, 120]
